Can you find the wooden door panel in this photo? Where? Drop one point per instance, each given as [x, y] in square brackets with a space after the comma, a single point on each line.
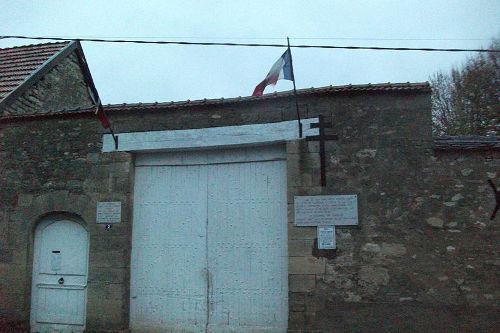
[247, 246]
[168, 275]
[60, 267]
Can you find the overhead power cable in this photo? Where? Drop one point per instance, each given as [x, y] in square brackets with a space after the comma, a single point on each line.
[375, 48]
[269, 38]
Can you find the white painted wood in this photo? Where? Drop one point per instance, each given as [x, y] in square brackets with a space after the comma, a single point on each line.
[212, 137]
[209, 245]
[245, 154]
[247, 247]
[168, 269]
[60, 251]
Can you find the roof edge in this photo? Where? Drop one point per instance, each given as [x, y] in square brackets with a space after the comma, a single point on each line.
[94, 95]
[52, 62]
[37, 74]
[350, 89]
[360, 88]
[467, 142]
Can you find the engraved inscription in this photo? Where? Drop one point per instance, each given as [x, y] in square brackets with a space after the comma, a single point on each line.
[109, 212]
[326, 210]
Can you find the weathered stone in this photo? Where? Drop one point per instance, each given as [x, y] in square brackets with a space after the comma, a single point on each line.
[24, 200]
[302, 283]
[300, 247]
[366, 153]
[352, 297]
[491, 175]
[466, 172]
[373, 277]
[306, 265]
[393, 249]
[296, 304]
[406, 299]
[435, 222]
[370, 247]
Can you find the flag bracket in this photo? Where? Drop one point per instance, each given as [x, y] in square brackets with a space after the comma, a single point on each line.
[99, 112]
[322, 138]
[294, 88]
[115, 138]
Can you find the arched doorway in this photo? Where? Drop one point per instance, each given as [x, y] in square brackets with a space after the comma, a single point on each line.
[60, 271]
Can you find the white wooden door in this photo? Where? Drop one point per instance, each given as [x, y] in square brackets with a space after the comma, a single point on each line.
[247, 247]
[209, 245]
[168, 288]
[60, 268]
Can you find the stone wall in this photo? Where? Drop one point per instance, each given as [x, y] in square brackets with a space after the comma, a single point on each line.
[55, 166]
[424, 256]
[62, 88]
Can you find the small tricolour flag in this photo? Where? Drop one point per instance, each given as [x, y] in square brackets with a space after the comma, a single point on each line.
[282, 69]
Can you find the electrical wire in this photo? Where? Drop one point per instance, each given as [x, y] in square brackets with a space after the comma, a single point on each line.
[269, 38]
[374, 48]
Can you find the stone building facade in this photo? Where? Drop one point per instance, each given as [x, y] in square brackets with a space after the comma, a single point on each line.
[424, 256]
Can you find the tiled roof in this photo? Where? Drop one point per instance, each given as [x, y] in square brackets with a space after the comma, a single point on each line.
[381, 87]
[473, 142]
[18, 63]
[340, 90]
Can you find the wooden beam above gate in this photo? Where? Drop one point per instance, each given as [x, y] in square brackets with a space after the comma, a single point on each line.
[211, 137]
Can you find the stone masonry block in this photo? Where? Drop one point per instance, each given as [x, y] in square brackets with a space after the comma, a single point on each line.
[301, 232]
[296, 321]
[302, 282]
[296, 302]
[293, 147]
[115, 259]
[112, 291]
[105, 313]
[306, 265]
[24, 200]
[110, 275]
[300, 247]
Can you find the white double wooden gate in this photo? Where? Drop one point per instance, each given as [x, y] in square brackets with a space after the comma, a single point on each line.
[209, 242]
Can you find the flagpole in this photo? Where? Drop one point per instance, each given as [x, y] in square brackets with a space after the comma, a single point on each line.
[115, 137]
[110, 127]
[294, 89]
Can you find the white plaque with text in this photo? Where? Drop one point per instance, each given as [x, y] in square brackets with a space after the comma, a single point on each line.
[326, 238]
[327, 210]
[109, 212]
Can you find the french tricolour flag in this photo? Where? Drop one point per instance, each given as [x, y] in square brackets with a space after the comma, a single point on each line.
[282, 69]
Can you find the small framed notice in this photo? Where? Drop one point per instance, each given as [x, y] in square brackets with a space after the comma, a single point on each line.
[326, 238]
[55, 261]
[109, 212]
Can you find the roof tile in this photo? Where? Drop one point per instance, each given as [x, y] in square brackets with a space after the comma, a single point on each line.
[18, 63]
[470, 142]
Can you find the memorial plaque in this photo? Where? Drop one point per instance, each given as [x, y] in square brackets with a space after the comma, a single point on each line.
[326, 238]
[326, 210]
[109, 212]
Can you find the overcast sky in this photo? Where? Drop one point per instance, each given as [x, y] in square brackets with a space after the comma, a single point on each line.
[128, 73]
